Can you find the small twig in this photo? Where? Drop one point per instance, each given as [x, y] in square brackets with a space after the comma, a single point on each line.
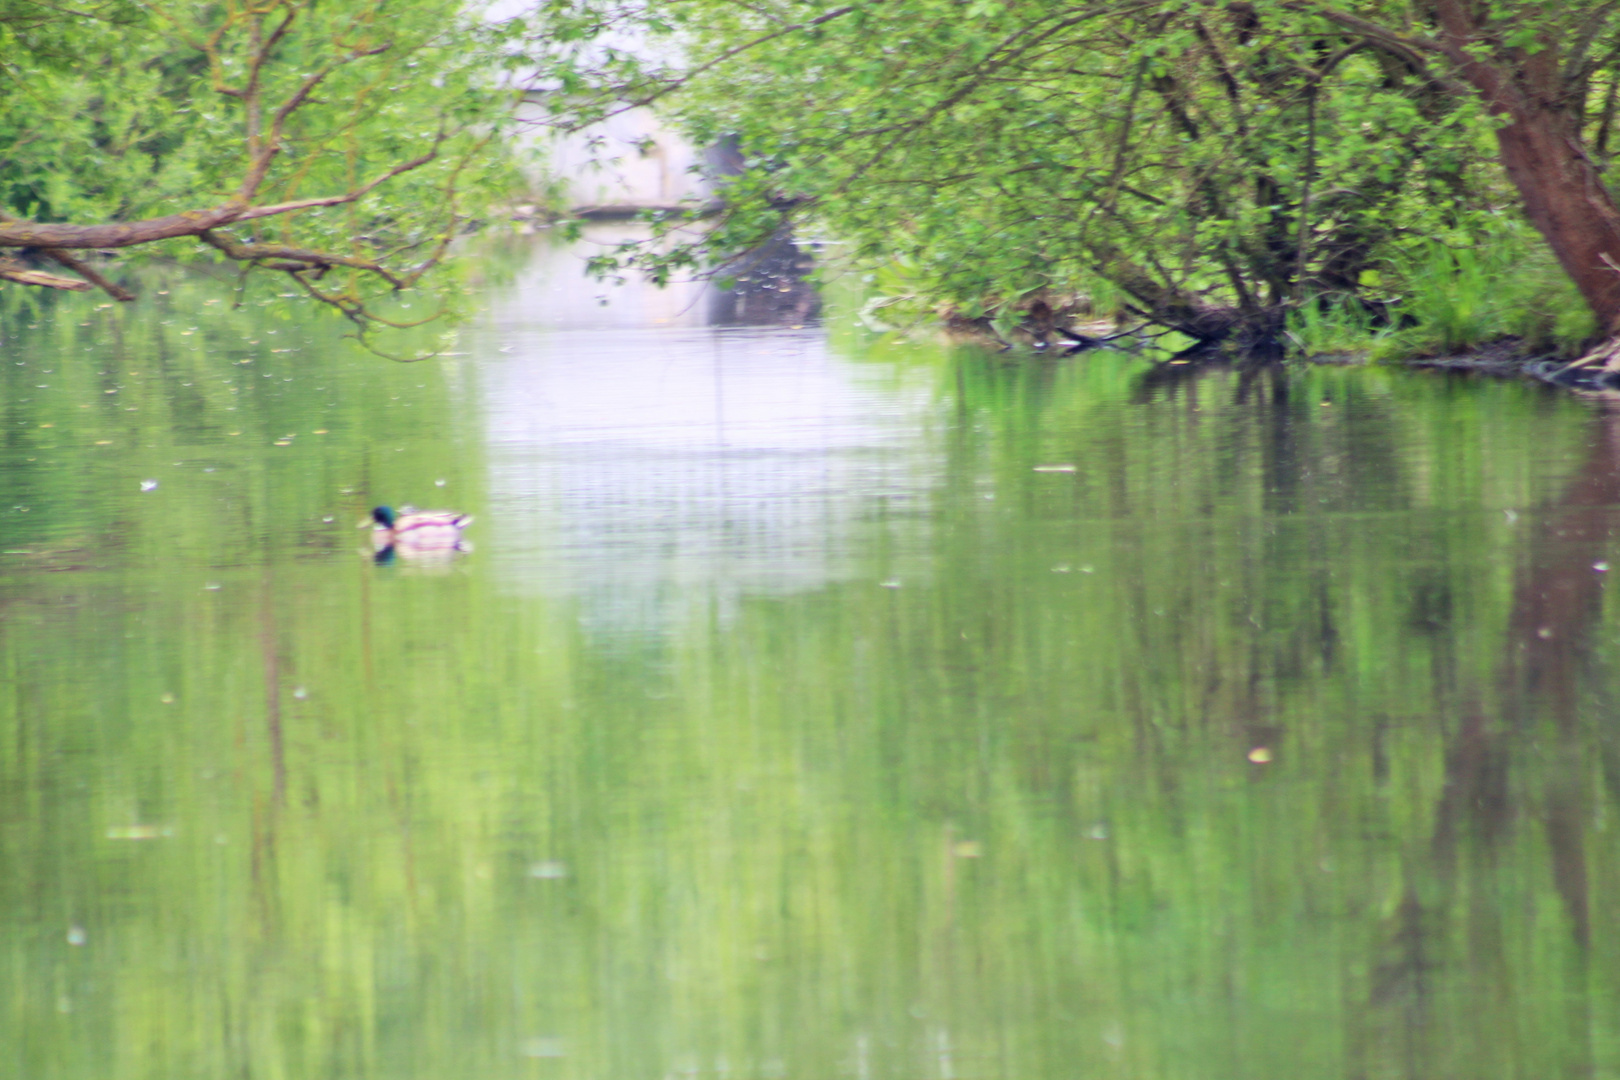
[353, 195]
[12, 270]
[672, 85]
[92, 275]
[303, 258]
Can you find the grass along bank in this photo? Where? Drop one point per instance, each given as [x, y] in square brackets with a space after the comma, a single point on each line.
[1497, 303]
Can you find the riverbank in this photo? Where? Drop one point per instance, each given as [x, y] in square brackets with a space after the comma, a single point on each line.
[1508, 357]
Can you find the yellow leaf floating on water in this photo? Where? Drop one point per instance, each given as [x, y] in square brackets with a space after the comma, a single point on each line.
[1260, 755]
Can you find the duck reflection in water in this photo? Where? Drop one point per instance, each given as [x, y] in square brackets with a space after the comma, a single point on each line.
[425, 536]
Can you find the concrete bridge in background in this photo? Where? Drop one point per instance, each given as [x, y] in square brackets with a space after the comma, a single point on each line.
[635, 162]
[626, 164]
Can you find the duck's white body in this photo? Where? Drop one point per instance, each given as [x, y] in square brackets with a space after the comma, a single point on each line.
[419, 531]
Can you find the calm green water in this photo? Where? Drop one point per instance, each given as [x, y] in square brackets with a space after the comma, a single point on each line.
[812, 706]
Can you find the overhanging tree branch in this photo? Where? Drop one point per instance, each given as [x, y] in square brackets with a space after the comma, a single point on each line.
[1414, 50]
[292, 76]
[56, 239]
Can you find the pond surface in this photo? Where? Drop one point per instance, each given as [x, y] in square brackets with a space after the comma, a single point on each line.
[812, 705]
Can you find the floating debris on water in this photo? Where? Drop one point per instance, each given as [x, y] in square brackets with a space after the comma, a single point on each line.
[139, 832]
[543, 1048]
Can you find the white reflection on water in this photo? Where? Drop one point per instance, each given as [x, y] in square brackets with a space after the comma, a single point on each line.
[641, 462]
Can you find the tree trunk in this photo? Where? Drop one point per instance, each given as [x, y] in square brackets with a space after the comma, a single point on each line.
[1566, 200]
[1563, 192]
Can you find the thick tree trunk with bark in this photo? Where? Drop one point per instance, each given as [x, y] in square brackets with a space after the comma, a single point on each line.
[1566, 200]
[1564, 194]
[1541, 149]
[1540, 91]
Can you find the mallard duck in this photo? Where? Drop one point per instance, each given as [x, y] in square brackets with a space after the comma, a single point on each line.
[417, 531]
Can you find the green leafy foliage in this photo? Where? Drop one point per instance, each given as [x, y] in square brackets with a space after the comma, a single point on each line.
[1212, 167]
[1181, 157]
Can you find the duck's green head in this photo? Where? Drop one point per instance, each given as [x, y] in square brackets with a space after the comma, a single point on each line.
[384, 516]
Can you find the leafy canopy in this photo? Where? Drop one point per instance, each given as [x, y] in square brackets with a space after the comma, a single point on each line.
[344, 145]
[1211, 166]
